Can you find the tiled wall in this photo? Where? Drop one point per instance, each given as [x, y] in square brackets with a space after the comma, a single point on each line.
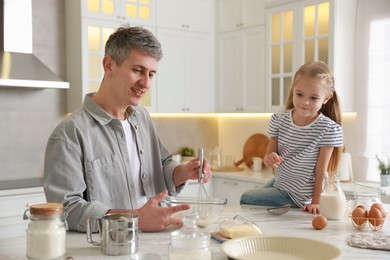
[27, 115]
[179, 131]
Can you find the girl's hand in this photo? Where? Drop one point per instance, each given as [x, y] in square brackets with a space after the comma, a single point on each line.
[273, 160]
[313, 208]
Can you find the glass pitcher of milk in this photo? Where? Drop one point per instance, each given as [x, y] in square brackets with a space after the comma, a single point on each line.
[332, 200]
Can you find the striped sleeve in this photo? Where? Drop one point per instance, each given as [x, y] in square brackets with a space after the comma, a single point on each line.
[333, 134]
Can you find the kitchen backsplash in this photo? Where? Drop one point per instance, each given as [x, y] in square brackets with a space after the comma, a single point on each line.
[179, 131]
[228, 131]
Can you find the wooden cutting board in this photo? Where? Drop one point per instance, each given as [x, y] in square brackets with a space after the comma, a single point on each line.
[255, 146]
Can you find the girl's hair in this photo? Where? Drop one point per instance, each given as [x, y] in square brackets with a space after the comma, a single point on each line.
[320, 70]
[125, 38]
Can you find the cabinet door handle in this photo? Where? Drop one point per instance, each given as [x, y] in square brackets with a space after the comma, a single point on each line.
[230, 183]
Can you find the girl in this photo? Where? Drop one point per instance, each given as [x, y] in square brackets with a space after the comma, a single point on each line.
[306, 141]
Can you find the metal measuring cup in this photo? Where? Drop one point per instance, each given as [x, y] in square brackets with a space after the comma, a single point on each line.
[118, 233]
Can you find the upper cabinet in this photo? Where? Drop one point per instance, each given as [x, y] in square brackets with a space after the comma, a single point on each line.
[185, 75]
[235, 14]
[301, 31]
[240, 56]
[89, 23]
[241, 70]
[193, 15]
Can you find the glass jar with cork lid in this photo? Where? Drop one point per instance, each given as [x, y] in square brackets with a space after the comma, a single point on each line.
[46, 232]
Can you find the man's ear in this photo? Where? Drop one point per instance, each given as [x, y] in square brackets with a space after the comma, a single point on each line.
[107, 63]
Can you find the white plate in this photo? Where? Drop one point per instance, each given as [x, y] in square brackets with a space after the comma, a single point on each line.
[278, 247]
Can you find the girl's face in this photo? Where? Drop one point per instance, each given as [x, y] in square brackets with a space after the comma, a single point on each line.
[309, 95]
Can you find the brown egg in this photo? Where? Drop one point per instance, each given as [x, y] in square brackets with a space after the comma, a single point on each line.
[361, 206]
[375, 217]
[380, 207]
[319, 222]
[359, 215]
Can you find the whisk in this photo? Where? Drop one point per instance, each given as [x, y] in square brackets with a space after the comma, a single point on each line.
[203, 198]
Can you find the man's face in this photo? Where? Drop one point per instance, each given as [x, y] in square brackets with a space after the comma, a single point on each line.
[134, 77]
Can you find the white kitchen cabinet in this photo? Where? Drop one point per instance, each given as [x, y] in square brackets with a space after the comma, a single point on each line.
[301, 31]
[14, 203]
[185, 74]
[86, 34]
[232, 185]
[236, 14]
[254, 185]
[191, 189]
[240, 70]
[193, 15]
[228, 188]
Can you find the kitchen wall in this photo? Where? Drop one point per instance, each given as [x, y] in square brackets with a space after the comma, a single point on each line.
[178, 131]
[28, 115]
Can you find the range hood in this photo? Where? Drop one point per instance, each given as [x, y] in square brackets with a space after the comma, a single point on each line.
[18, 65]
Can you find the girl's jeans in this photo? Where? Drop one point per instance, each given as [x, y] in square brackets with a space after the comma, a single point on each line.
[267, 196]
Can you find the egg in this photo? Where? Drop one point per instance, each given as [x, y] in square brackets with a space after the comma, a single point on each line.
[319, 222]
[375, 217]
[380, 207]
[359, 215]
[361, 206]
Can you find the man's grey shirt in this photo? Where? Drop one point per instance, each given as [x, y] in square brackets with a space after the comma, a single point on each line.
[87, 164]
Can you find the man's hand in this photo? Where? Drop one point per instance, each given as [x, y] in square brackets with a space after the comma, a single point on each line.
[189, 171]
[153, 218]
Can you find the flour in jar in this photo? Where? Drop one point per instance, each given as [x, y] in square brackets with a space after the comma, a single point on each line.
[46, 239]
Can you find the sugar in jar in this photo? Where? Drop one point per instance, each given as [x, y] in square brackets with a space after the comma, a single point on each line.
[189, 242]
[46, 232]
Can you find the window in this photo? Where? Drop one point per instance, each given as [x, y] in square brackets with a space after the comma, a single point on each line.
[378, 96]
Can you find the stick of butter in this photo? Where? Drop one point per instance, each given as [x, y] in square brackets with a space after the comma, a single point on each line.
[240, 230]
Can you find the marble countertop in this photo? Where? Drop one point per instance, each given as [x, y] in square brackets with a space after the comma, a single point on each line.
[263, 176]
[155, 245]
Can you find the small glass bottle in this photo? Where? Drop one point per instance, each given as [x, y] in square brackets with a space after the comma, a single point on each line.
[332, 200]
[46, 232]
[189, 242]
[216, 158]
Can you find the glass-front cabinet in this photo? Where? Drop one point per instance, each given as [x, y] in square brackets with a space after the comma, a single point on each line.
[134, 11]
[281, 49]
[301, 31]
[315, 40]
[96, 38]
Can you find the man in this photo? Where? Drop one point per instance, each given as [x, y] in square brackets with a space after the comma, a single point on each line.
[106, 157]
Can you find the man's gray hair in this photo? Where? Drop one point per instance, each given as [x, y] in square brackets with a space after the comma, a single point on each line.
[125, 38]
